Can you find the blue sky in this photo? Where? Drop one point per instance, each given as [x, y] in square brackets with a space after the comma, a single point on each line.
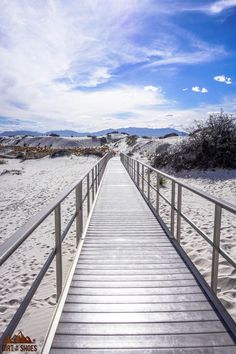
[94, 64]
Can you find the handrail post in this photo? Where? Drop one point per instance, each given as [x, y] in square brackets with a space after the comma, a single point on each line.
[148, 182]
[138, 174]
[58, 250]
[79, 212]
[142, 178]
[158, 194]
[96, 172]
[93, 181]
[216, 242]
[172, 222]
[133, 169]
[88, 195]
[179, 211]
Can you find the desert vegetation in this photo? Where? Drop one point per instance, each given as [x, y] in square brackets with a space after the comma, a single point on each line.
[27, 152]
[131, 140]
[210, 144]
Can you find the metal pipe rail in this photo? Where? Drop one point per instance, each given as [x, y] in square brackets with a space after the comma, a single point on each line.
[137, 170]
[91, 182]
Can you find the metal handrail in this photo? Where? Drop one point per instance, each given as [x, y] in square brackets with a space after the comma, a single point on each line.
[12, 244]
[134, 167]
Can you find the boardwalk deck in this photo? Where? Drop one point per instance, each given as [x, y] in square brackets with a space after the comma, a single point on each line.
[131, 291]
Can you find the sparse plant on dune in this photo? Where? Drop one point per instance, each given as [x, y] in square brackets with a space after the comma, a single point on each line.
[131, 140]
[210, 144]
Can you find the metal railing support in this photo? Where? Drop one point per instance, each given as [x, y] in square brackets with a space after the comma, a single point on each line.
[96, 172]
[88, 194]
[215, 253]
[179, 210]
[158, 194]
[79, 212]
[138, 174]
[172, 221]
[142, 178]
[58, 250]
[148, 184]
[93, 182]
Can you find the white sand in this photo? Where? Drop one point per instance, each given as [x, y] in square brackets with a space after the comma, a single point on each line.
[22, 196]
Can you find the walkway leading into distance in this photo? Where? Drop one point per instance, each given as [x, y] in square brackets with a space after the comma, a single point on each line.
[131, 291]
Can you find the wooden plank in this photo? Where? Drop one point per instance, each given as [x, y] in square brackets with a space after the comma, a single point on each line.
[123, 247]
[124, 244]
[134, 266]
[132, 262]
[134, 284]
[135, 291]
[141, 299]
[144, 341]
[141, 328]
[138, 272]
[139, 317]
[129, 251]
[153, 307]
[205, 350]
[130, 256]
[154, 277]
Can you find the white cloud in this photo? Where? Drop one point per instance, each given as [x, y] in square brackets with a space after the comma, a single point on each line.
[185, 89]
[223, 78]
[220, 6]
[152, 88]
[54, 54]
[212, 8]
[198, 89]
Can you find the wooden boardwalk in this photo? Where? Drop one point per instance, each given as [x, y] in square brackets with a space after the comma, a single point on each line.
[131, 291]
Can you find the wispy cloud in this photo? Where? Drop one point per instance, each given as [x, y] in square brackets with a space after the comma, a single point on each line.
[224, 79]
[219, 6]
[198, 89]
[152, 88]
[59, 59]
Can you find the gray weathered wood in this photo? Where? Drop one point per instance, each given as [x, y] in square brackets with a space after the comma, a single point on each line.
[142, 341]
[131, 291]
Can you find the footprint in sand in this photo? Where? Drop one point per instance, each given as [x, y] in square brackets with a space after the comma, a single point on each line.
[3, 309]
[13, 302]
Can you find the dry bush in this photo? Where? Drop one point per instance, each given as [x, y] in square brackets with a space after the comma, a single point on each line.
[131, 140]
[210, 144]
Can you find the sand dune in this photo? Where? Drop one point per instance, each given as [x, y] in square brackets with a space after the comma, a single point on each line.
[22, 196]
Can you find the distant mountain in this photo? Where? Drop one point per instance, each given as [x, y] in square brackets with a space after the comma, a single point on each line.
[131, 130]
[142, 131]
[20, 132]
[66, 133]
